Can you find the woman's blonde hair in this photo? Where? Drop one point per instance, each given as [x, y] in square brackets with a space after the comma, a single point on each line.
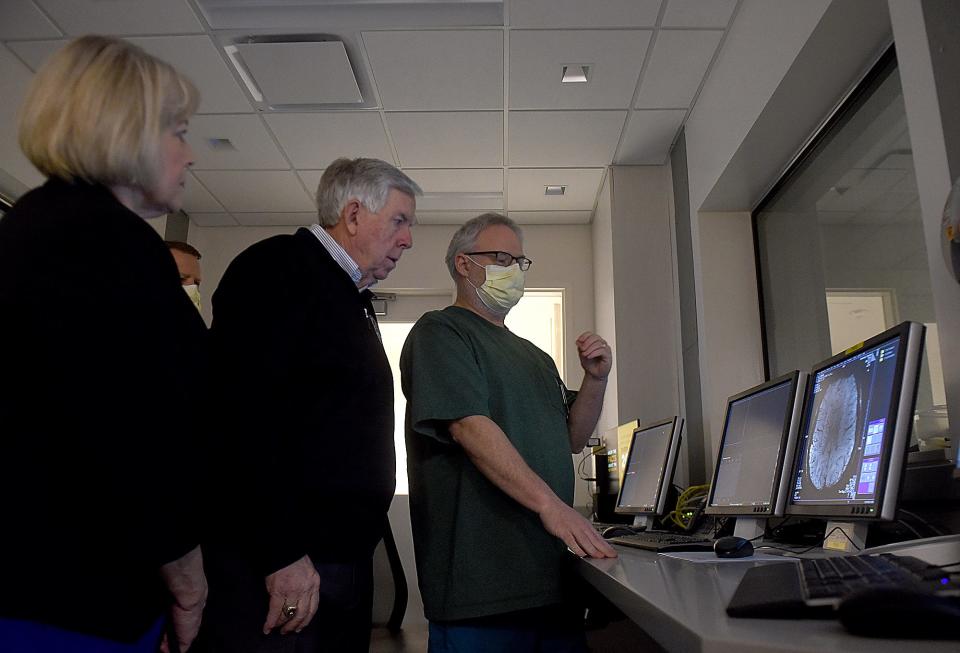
[97, 110]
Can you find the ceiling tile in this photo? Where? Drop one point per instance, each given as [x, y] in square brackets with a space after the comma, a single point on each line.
[195, 56]
[198, 58]
[297, 219]
[677, 66]
[697, 13]
[564, 138]
[261, 191]
[213, 220]
[437, 70]
[313, 140]
[551, 217]
[196, 198]
[250, 144]
[20, 19]
[537, 58]
[445, 217]
[448, 140]
[526, 188]
[576, 13]
[309, 72]
[14, 80]
[35, 53]
[311, 179]
[458, 181]
[122, 17]
[460, 202]
[649, 136]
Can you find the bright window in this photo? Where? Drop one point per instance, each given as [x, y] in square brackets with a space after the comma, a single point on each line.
[538, 318]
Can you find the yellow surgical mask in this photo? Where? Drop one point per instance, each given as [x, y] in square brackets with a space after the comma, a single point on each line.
[193, 292]
[502, 288]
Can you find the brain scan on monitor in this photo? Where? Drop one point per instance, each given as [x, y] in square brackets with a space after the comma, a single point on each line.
[834, 432]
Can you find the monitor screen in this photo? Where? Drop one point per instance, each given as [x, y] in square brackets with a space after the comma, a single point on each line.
[761, 424]
[858, 411]
[649, 468]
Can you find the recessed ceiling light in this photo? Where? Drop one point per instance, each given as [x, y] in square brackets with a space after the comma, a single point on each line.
[221, 144]
[554, 190]
[575, 74]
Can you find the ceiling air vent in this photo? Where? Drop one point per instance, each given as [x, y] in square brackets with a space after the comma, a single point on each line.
[296, 72]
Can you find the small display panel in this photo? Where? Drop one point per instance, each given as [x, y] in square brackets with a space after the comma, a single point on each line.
[644, 469]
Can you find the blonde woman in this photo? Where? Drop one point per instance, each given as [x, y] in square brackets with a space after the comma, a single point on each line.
[103, 355]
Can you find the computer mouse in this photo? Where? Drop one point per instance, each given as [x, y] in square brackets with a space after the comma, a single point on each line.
[900, 612]
[732, 546]
[617, 531]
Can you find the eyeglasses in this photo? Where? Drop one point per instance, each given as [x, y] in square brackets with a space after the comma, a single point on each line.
[506, 259]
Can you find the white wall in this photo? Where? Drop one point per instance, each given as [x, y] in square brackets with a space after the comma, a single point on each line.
[933, 118]
[731, 355]
[783, 65]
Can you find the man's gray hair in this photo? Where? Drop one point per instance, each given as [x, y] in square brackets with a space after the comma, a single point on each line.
[466, 237]
[367, 180]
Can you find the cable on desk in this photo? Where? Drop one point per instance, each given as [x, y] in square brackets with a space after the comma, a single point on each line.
[923, 521]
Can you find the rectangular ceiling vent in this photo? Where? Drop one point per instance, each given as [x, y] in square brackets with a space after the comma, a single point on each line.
[298, 72]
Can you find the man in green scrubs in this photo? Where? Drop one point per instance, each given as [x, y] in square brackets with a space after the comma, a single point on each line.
[490, 427]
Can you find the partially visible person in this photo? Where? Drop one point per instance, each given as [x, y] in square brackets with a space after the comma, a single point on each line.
[98, 460]
[187, 258]
[305, 422]
[490, 427]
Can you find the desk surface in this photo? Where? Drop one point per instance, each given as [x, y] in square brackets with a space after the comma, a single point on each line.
[682, 606]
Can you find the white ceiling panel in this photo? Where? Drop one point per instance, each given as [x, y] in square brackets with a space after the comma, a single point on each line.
[262, 191]
[460, 201]
[313, 72]
[20, 19]
[35, 53]
[537, 58]
[578, 13]
[197, 57]
[526, 189]
[697, 13]
[458, 181]
[649, 136]
[437, 70]
[122, 17]
[551, 217]
[14, 79]
[448, 140]
[444, 217]
[311, 179]
[677, 65]
[313, 140]
[298, 219]
[196, 198]
[564, 138]
[213, 220]
[250, 145]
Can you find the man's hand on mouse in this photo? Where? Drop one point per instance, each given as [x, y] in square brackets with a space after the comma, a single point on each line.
[577, 533]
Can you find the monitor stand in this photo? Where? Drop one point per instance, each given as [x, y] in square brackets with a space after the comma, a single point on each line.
[640, 523]
[749, 528]
[846, 537]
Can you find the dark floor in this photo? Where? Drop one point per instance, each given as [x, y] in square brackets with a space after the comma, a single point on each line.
[618, 637]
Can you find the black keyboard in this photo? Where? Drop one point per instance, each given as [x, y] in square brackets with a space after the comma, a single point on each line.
[814, 587]
[824, 581]
[661, 540]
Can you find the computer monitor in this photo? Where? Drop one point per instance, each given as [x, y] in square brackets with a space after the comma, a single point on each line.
[759, 434]
[649, 468]
[857, 416]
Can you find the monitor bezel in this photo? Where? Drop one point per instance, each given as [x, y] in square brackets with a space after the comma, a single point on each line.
[900, 414]
[669, 466]
[775, 506]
